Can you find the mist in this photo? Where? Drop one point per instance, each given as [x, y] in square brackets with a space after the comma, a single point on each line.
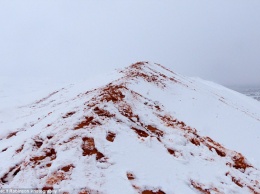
[71, 40]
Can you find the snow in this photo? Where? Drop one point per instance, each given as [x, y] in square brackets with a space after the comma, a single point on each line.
[174, 113]
[225, 115]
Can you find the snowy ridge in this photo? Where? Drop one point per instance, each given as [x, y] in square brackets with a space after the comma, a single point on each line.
[148, 130]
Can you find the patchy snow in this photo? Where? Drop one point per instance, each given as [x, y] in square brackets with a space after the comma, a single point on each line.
[143, 129]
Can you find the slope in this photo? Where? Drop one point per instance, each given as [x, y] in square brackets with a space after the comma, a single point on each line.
[146, 130]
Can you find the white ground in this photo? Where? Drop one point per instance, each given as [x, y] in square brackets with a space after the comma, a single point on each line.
[226, 116]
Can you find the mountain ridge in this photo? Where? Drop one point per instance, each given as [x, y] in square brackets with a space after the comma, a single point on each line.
[115, 137]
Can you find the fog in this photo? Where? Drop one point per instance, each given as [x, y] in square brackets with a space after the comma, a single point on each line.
[216, 40]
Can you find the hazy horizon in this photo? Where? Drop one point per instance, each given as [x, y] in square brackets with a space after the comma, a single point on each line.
[215, 40]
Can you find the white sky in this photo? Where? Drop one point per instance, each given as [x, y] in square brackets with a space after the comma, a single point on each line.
[217, 40]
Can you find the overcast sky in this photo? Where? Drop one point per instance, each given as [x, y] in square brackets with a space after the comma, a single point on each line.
[217, 40]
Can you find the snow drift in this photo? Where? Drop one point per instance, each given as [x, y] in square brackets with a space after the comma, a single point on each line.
[143, 129]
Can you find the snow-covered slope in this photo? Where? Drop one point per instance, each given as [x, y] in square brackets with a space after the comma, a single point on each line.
[143, 129]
